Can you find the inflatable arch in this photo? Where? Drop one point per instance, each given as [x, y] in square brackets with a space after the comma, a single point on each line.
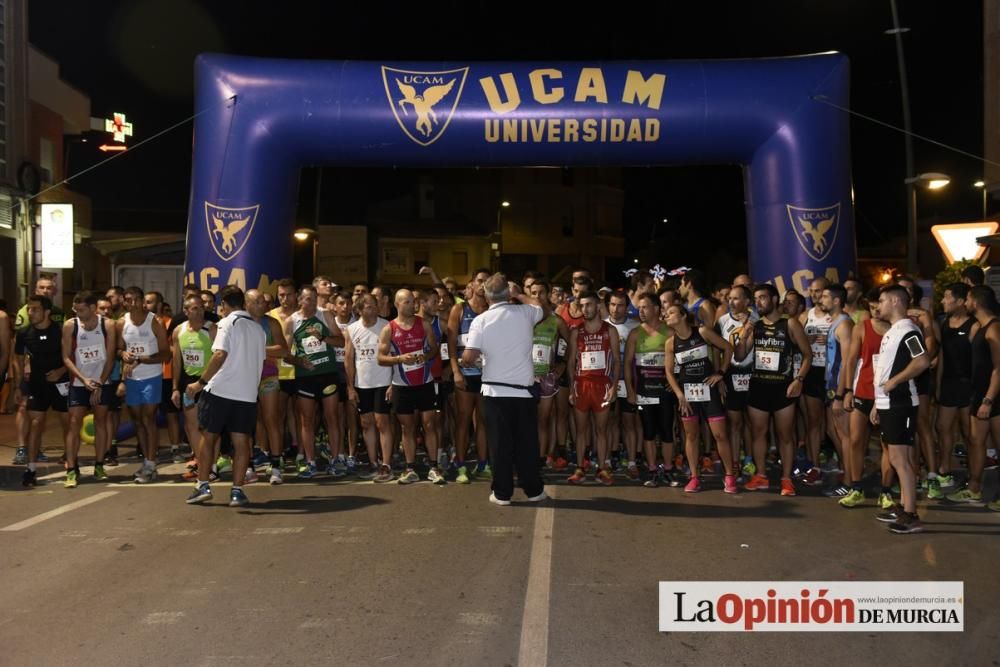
[261, 120]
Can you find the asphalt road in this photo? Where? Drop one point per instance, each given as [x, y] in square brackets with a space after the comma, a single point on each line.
[363, 574]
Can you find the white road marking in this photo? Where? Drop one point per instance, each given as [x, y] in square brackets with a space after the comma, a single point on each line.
[278, 531]
[499, 531]
[534, 649]
[418, 531]
[28, 523]
[470, 618]
[163, 617]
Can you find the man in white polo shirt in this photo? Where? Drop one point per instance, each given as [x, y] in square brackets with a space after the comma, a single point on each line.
[503, 335]
[229, 400]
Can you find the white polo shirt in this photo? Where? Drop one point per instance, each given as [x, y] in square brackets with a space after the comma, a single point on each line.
[243, 340]
[504, 335]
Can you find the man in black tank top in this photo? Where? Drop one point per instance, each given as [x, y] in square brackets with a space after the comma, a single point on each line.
[954, 388]
[773, 387]
[985, 391]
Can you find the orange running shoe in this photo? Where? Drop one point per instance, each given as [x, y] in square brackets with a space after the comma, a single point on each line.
[787, 488]
[577, 477]
[758, 483]
[604, 477]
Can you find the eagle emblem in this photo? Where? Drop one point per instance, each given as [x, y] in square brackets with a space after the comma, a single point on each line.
[423, 103]
[815, 228]
[229, 228]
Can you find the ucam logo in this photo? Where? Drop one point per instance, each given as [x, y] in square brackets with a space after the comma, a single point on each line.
[815, 228]
[229, 228]
[423, 102]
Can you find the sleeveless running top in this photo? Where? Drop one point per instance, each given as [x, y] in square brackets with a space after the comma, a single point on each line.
[367, 373]
[593, 354]
[196, 348]
[141, 341]
[650, 375]
[817, 329]
[833, 357]
[543, 345]
[982, 360]
[90, 350]
[308, 334]
[956, 350]
[407, 341]
[772, 352]
[468, 314]
[864, 377]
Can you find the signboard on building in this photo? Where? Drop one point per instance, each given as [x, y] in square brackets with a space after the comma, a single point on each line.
[57, 236]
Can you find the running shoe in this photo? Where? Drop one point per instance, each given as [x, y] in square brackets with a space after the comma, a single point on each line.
[707, 465]
[20, 456]
[224, 465]
[145, 475]
[276, 477]
[175, 454]
[946, 481]
[385, 475]
[560, 464]
[485, 473]
[237, 498]
[852, 499]
[201, 493]
[71, 479]
[758, 483]
[672, 478]
[906, 523]
[813, 477]
[368, 473]
[260, 459]
[409, 476]
[539, 498]
[994, 505]
[30, 478]
[729, 484]
[434, 476]
[655, 478]
[787, 487]
[890, 515]
[462, 477]
[42, 457]
[965, 496]
[333, 470]
[632, 471]
[99, 473]
[578, 477]
[885, 501]
[190, 473]
[839, 491]
[693, 485]
[934, 491]
[604, 477]
[352, 465]
[251, 476]
[309, 472]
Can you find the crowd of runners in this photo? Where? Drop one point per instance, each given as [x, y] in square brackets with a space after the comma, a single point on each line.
[663, 383]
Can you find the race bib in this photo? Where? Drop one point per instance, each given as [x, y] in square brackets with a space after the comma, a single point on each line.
[649, 359]
[592, 361]
[444, 352]
[339, 353]
[91, 354]
[195, 358]
[63, 389]
[765, 360]
[694, 354]
[366, 354]
[409, 368]
[541, 354]
[313, 345]
[741, 382]
[647, 400]
[697, 393]
[137, 349]
[622, 392]
[463, 340]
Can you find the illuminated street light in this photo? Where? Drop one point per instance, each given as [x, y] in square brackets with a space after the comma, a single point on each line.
[931, 180]
[302, 234]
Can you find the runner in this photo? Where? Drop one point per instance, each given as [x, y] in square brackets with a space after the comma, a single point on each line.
[142, 347]
[649, 391]
[48, 383]
[593, 370]
[836, 376]
[730, 326]
[773, 387]
[269, 422]
[468, 380]
[88, 347]
[549, 366]
[696, 386]
[310, 333]
[983, 406]
[902, 357]
[954, 385]
[624, 419]
[367, 384]
[192, 347]
[409, 348]
[288, 414]
[347, 413]
[693, 290]
[859, 400]
[817, 327]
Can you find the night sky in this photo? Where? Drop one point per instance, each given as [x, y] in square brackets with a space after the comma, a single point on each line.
[137, 57]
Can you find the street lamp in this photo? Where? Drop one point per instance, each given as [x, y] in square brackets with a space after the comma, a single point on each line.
[982, 186]
[498, 246]
[930, 181]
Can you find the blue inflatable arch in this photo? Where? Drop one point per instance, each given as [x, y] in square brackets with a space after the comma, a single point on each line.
[262, 120]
